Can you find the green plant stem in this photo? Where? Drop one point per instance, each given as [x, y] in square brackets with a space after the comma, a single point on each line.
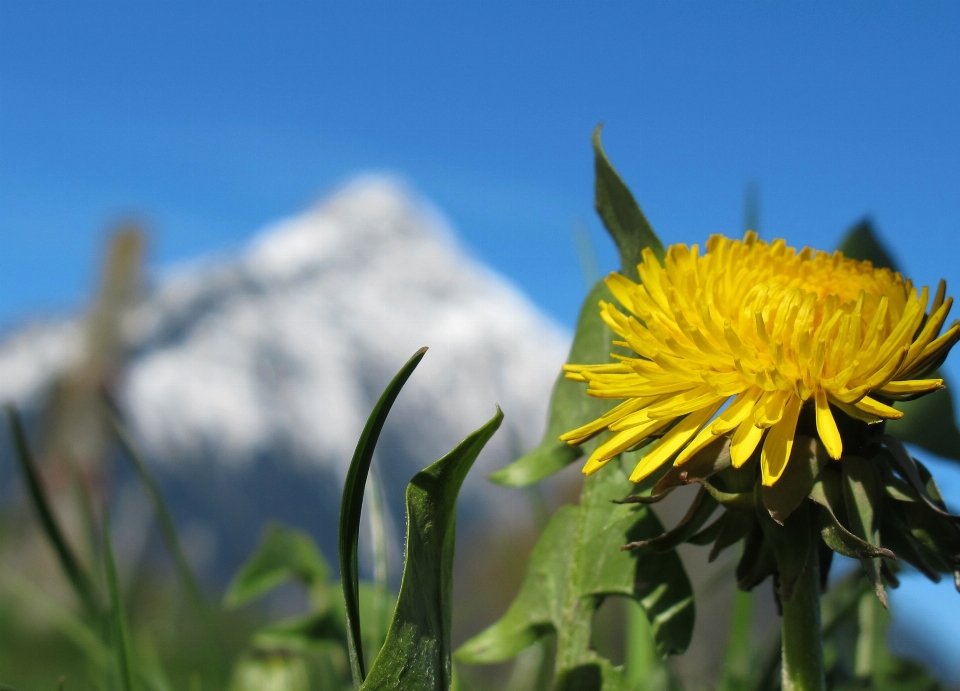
[802, 647]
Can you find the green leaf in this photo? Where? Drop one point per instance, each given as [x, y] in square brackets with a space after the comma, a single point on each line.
[282, 554]
[570, 406]
[621, 214]
[350, 506]
[862, 487]
[910, 470]
[576, 563]
[827, 491]
[416, 653]
[119, 628]
[806, 460]
[861, 243]
[51, 527]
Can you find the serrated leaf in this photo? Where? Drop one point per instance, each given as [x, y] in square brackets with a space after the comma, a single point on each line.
[570, 406]
[575, 564]
[351, 504]
[416, 652]
[621, 214]
[282, 554]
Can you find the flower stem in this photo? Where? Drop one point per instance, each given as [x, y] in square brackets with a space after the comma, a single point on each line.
[802, 648]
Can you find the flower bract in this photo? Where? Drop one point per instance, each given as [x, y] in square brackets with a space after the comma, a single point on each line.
[737, 340]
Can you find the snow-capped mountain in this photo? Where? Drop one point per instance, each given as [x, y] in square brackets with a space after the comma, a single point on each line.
[251, 376]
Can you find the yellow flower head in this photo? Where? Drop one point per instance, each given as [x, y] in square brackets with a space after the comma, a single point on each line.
[739, 339]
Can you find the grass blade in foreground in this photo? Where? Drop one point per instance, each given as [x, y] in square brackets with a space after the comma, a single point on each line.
[167, 526]
[119, 631]
[416, 654]
[68, 561]
[352, 502]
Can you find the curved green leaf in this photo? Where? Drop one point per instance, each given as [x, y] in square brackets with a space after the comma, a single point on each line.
[577, 563]
[621, 214]
[910, 470]
[350, 505]
[282, 554]
[416, 653]
[828, 493]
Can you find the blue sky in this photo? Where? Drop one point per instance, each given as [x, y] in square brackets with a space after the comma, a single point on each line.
[209, 120]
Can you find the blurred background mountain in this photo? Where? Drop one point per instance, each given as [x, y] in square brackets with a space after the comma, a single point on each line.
[247, 379]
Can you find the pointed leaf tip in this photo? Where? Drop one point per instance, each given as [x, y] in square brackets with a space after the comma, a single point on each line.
[416, 654]
[350, 506]
[621, 214]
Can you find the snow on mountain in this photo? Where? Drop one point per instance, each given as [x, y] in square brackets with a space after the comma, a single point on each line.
[251, 376]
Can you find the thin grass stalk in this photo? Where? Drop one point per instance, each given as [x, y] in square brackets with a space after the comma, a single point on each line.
[51, 527]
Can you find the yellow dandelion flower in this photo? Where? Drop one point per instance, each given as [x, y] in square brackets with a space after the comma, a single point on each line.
[737, 340]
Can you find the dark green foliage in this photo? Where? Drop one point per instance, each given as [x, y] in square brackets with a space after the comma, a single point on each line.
[350, 506]
[576, 564]
[621, 214]
[416, 653]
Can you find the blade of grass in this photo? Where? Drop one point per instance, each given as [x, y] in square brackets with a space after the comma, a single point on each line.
[120, 634]
[167, 528]
[350, 505]
[51, 527]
